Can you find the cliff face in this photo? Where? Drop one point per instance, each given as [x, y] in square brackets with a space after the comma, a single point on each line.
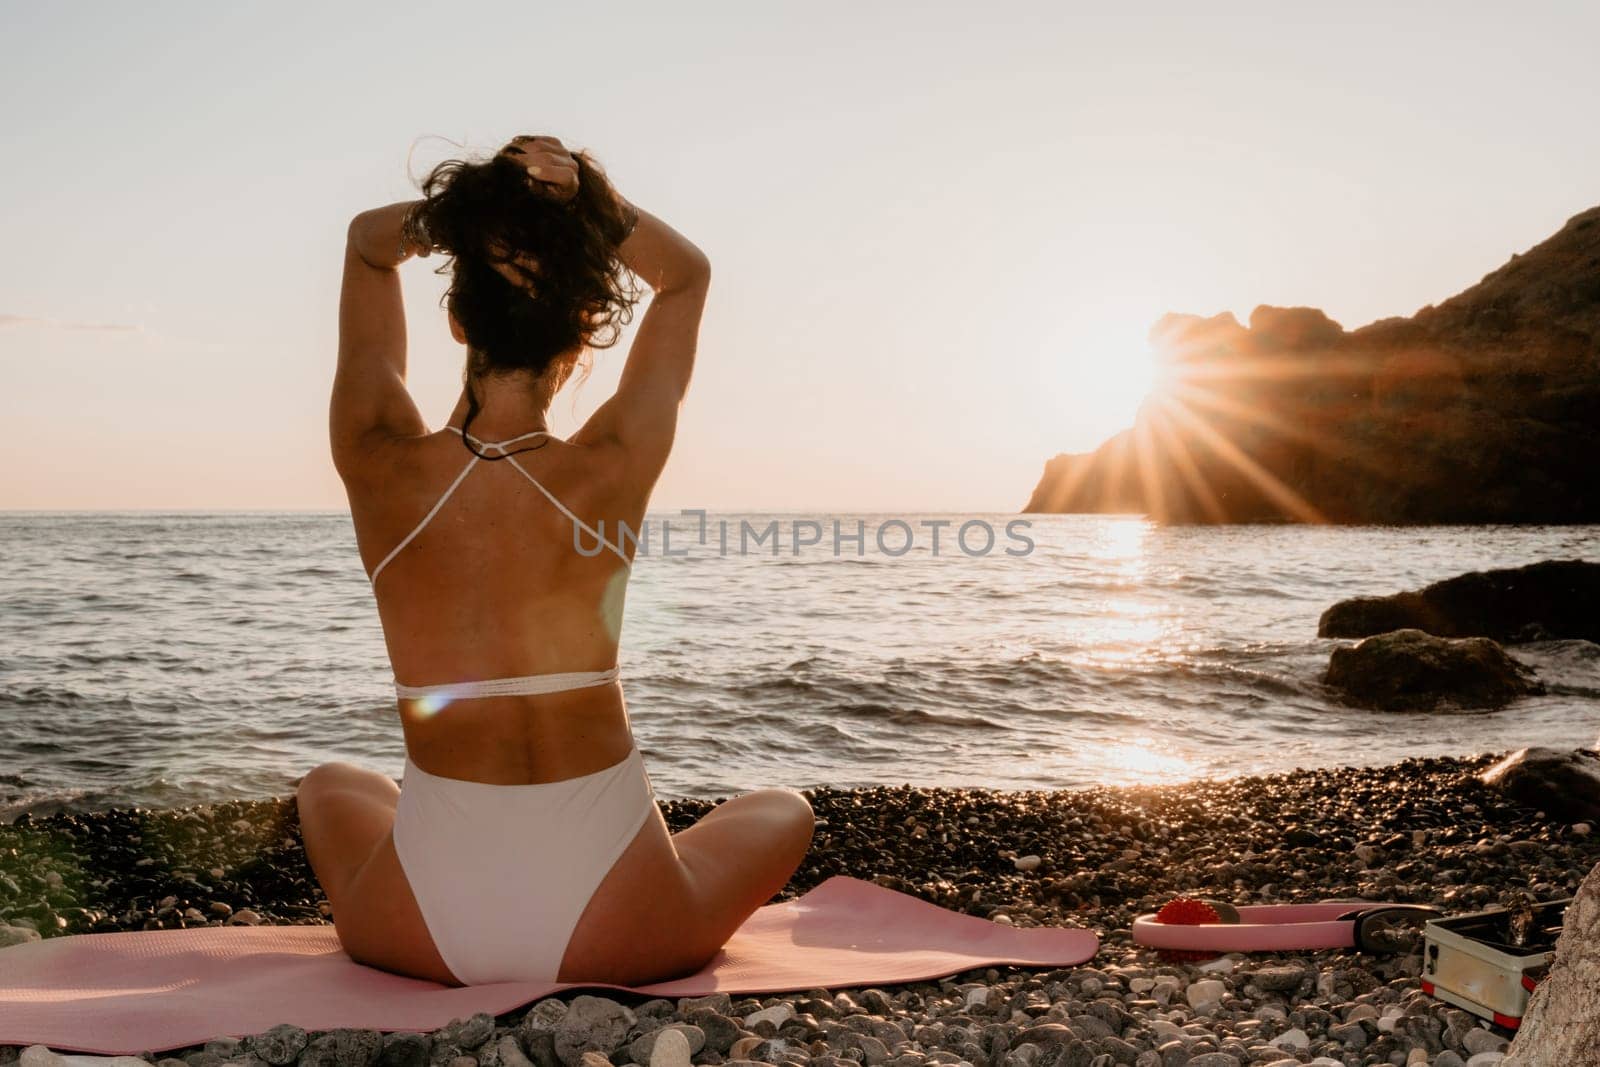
[1482, 409]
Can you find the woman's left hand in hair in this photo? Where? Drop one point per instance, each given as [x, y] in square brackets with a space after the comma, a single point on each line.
[548, 163]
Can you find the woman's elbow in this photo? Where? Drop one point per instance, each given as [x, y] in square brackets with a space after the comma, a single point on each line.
[696, 269]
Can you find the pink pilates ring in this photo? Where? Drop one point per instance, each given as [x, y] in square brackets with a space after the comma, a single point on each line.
[1274, 928]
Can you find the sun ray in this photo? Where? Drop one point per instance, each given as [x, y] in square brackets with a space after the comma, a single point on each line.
[1178, 452]
[1152, 491]
[1287, 499]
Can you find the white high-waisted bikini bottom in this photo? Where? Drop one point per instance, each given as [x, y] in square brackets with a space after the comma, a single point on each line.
[502, 873]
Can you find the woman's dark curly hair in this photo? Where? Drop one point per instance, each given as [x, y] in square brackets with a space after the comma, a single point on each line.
[575, 294]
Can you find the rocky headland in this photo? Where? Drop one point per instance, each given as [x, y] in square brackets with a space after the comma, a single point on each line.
[1482, 409]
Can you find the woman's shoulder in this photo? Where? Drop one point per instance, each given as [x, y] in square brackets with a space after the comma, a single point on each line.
[379, 458]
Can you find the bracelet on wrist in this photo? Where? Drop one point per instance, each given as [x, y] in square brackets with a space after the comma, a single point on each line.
[414, 232]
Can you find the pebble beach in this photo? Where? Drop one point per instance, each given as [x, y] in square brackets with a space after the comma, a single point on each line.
[1422, 831]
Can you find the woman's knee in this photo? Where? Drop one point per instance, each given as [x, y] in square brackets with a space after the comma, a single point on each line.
[325, 776]
[791, 816]
[761, 822]
[338, 779]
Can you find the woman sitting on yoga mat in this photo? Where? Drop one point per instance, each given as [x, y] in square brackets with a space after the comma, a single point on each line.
[524, 843]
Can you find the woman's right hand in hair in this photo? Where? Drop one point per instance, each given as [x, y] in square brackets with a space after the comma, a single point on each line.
[549, 165]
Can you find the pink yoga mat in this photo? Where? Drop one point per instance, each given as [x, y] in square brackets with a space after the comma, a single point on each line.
[163, 989]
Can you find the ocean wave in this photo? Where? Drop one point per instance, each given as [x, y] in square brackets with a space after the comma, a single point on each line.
[168, 657]
[907, 715]
[37, 697]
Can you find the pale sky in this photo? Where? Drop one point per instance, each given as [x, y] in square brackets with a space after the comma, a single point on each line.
[939, 232]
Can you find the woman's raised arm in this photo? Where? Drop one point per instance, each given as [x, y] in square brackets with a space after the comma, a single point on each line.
[370, 398]
[643, 415]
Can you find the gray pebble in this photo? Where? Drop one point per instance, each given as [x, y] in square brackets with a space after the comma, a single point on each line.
[540, 1046]
[405, 1050]
[470, 1032]
[343, 1048]
[720, 1003]
[873, 1052]
[719, 1030]
[877, 1002]
[509, 1054]
[1066, 1054]
[1278, 979]
[1351, 1035]
[1119, 1050]
[442, 1054]
[658, 1009]
[1045, 1034]
[16, 935]
[591, 1024]
[644, 1044]
[544, 1015]
[278, 1046]
[1089, 1027]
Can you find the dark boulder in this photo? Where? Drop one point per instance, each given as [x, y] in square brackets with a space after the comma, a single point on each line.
[1561, 783]
[1409, 670]
[1555, 599]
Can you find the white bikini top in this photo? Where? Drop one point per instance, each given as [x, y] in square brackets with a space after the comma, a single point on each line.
[530, 684]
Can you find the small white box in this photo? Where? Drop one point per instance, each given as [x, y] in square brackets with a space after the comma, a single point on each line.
[1469, 961]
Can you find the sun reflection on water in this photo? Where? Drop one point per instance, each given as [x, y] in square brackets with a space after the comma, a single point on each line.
[1121, 541]
[1144, 761]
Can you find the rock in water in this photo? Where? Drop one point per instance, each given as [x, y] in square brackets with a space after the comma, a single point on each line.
[1563, 784]
[1409, 670]
[1542, 601]
[1562, 1023]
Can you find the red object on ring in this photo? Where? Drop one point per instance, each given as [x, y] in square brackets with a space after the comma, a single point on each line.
[1186, 911]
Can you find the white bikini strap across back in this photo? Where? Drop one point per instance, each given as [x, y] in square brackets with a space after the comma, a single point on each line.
[527, 685]
[473, 462]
